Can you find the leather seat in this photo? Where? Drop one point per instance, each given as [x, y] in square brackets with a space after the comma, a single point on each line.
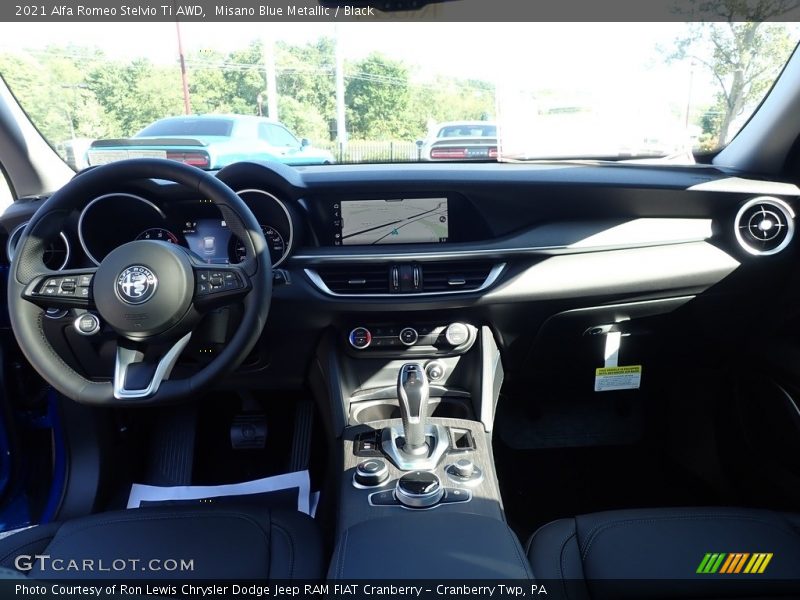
[222, 541]
[657, 553]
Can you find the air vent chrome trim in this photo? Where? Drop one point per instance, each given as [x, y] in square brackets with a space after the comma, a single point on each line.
[491, 278]
[781, 207]
[13, 240]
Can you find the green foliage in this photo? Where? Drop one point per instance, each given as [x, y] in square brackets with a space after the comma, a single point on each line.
[743, 53]
[377, 97]
[79, 92]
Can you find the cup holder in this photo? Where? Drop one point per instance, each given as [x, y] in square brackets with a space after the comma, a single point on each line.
[380, 410]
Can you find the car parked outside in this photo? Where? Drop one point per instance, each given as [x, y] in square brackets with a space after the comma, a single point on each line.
[461, 140]
[212, 142]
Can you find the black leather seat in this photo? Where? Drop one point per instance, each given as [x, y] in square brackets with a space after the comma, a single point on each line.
[223, 542]
[657, 553]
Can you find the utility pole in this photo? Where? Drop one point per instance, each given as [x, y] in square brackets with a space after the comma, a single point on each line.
[187, 106]
[341, 129]
[272, 80]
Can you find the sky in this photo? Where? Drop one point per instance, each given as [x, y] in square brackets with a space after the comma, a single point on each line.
[463, 49]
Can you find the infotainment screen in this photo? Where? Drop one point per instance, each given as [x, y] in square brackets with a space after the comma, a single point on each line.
[396, 221]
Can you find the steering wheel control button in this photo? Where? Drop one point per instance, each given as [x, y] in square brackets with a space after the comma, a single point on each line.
[409, 336]
[419, 489]
[84, 280]
[67, 287]
[212, 282]
[87, 324]
[136, 284]
[360, 338]
[371, 473]
[456, 334]
[55, 313]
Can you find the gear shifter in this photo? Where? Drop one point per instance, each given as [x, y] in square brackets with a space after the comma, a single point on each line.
[413, 394]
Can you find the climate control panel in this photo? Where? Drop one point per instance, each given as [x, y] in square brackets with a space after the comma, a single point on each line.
[417, 337]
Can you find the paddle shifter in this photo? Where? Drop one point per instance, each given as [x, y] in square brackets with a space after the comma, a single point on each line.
[413, 395]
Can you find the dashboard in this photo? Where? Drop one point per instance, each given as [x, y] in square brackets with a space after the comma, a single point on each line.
[389, 247]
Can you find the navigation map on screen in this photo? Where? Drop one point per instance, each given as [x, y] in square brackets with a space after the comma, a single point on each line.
[401, 221]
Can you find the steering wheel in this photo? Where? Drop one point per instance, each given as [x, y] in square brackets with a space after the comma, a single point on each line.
[151, 293]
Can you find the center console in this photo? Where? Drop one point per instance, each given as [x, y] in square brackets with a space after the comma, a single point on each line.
[411, 406]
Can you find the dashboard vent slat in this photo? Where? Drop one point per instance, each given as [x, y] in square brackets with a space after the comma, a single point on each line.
[764, 226]
[356, 279]
[455, 275]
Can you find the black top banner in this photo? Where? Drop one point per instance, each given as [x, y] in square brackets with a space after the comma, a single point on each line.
[397, 10]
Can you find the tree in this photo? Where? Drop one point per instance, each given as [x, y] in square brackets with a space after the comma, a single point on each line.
[377, 99]
[743, 52]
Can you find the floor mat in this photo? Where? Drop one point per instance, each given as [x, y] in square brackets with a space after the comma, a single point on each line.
[539, 486]
[613, 418]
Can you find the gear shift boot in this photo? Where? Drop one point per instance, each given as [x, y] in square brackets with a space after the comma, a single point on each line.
[392, 440]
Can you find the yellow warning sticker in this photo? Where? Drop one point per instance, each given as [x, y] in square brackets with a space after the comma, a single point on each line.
[607, 379]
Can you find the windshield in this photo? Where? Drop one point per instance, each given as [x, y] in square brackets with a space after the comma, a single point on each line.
[322, 93]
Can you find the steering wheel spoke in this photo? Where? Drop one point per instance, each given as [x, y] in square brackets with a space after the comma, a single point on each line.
[219, 285]
[140, 369]
[62, 289]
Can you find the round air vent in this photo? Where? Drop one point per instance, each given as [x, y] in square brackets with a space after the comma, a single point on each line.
[764, 225]
[56, 255]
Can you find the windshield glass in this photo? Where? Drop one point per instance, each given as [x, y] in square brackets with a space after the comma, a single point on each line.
[321, 93]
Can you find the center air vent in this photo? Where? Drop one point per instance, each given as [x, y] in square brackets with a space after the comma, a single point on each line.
[356, 278]
[455, 275]
[764, 225]
[405, 278]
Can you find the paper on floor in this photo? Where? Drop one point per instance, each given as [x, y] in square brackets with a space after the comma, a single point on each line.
[299, 479]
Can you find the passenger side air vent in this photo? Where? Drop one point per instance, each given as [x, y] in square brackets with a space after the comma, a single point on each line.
[355, 278]
[764, 225]
[454, 276]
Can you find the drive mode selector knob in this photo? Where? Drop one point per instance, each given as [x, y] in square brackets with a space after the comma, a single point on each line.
[419, 489]
[360, 338]
[456, 334]
[371, 472]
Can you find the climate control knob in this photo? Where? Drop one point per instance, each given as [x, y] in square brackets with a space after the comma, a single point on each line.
[360, 338]
[409, 336]
[456, 334]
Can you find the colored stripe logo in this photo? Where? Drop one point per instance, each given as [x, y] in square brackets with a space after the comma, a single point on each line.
[734, 563]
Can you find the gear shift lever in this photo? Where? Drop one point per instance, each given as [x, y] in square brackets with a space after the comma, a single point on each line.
[413, 394]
